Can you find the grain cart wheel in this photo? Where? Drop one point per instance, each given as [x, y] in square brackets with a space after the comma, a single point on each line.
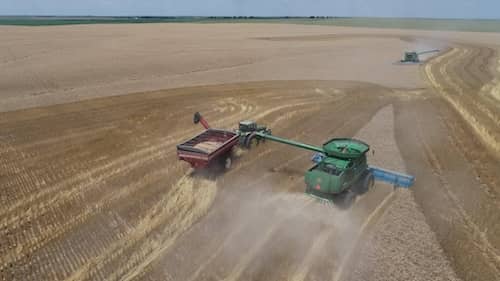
[254, 142]
[228, 162]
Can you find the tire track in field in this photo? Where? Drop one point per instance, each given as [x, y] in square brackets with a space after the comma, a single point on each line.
[370, 220]
[318, 245]
[246, 259]
[178, 206]
[89, 229]
[480, 115]
[35, 240]
[241, 225]
[139, 260]
[169, 143]
[139, 155]
[475, 234]
[32, 159]
[74, 222]
[53, 232]
[84, 166]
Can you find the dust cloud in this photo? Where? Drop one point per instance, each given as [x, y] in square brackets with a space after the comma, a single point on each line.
[275, 221]
[308, 209]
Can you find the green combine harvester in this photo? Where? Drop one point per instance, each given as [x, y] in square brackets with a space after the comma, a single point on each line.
[340, 172]
[414, 57]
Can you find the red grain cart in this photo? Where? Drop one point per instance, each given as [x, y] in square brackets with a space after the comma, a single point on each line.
[210, 147]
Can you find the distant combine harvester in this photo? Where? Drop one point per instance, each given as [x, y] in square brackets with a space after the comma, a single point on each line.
[414, 57]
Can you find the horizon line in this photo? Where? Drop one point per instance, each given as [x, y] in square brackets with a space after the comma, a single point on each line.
[247, 16]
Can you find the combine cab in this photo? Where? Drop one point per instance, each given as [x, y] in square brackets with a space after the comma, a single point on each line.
[341, 173]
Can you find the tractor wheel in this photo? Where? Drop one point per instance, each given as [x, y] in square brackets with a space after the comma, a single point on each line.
[254, 142]
[251, 141]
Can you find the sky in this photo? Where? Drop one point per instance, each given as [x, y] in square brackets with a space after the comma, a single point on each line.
[361, 8]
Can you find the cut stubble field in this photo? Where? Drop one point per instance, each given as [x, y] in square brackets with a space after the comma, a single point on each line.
[91, 188]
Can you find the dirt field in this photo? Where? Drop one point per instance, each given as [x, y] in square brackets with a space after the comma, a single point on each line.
[92, 189]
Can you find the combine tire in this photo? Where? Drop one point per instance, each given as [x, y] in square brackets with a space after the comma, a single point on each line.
[369, 181]
[365, 183]
[347, 199]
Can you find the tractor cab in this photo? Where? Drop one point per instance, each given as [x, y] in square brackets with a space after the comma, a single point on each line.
[247, 126]
[247, 130]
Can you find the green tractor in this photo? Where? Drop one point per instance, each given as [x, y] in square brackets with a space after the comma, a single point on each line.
[247, 130]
